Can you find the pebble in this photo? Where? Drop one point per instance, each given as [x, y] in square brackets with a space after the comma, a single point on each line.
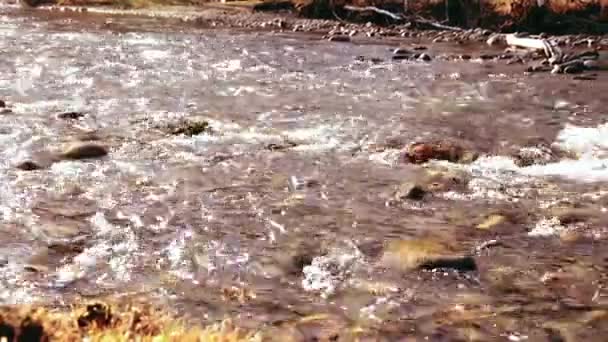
[2, 104]
[85, 151]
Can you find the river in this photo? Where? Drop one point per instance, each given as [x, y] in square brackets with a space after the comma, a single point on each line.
[284, 207]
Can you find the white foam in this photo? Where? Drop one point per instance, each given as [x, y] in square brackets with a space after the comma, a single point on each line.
[589, 143]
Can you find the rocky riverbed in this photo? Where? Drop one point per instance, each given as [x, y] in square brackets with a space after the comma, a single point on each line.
[311, 187]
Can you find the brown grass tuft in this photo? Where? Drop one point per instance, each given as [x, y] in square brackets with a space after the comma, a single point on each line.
[100, 322]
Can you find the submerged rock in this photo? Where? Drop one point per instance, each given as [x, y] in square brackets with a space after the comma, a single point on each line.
[528, 156]
[425, 254]
[339, 38]
[28, 165]
[70, 115]
[188, 127]
[491, 222]
[2, 104]
[411, 191]
[84, 151]
[425, 57]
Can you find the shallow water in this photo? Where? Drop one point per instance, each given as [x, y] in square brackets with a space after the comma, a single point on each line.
[181, 220]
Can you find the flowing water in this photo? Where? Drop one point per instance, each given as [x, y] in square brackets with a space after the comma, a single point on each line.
[284, 208]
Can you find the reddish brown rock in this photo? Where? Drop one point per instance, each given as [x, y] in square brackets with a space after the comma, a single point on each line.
[419, 153]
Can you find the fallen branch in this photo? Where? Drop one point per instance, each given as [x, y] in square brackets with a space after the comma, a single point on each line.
[374, 9]
[415, 21]
[421, 21]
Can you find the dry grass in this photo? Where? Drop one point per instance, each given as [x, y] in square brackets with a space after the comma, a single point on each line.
[99, 322]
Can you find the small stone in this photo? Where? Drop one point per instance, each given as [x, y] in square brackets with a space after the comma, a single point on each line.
[465, 57]
[85, 151]
[28, 165]
[2, 104]
[339, 38]
[410, 191]
[426, 254]
[420, 48]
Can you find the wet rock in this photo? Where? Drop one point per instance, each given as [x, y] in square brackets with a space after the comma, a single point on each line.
[285, 145]
[40, 260]
[411, 191]
[425, 57]
[591, 64]
[402, 57]
[419, 153]
[2, 104]
[28, 165]
[84, 150]
[188, 127]
[401, 51]
[424, 254]
[327, 273]
[446, 180]
[70, 115]
[573, 69]
[585, 78]
[569, 216]
[339, 38]
[60, 233]
[528, 156]
[420, 48]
